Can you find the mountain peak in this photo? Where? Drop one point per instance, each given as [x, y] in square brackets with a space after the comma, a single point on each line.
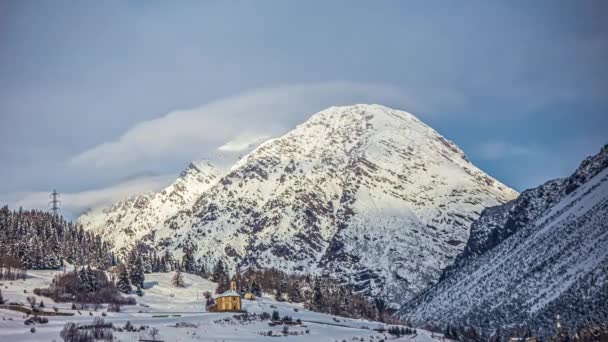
[365, 193]
[360, 112]
[131, 219]
[361, 122]
[203, 166]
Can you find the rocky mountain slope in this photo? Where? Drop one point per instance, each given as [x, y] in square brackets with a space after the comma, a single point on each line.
[364, 193]
[129, 220]
[543, 254]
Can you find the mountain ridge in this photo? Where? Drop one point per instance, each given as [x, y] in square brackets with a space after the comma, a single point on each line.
[351, 193]
[549, 257]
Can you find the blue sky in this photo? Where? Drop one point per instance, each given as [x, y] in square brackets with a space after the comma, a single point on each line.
[521, 85]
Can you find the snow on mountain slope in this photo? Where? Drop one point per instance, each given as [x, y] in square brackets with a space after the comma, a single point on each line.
[501, 222]
[545, 253]
[129, 220]
[364, 193]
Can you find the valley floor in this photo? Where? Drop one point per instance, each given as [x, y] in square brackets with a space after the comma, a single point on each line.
[167, 308]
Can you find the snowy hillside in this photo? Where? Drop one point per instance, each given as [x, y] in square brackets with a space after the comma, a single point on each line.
[179, 316]
[364, 193]
[544, 254]
[129, 220]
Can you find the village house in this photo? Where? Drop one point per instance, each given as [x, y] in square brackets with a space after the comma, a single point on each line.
[227, 301]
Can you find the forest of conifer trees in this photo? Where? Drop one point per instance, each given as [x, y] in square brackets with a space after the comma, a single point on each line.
[42, 240]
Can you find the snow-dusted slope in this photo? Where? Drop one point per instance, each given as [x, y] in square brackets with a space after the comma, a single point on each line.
[180, 315]
[364, 193]
[545, 253]
[125, 222]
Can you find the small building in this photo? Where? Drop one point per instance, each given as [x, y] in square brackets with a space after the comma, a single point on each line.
[227, 301]
[249, 296]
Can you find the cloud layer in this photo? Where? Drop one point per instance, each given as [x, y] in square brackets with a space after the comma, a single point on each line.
[73, 204]
[233, 124]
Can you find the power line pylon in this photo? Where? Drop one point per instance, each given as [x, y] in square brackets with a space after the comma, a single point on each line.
[54, 202]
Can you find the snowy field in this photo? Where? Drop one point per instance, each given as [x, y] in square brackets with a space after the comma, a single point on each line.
[180, 316]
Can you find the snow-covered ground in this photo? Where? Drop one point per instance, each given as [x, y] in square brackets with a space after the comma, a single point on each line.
[164, 307]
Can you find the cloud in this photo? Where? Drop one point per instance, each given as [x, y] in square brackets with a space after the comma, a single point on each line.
[494, 150]
[75, 203]
[243, 143]
[234, 123]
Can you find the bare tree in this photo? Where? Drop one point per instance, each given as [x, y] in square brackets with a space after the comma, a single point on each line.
[153, 333]
[32, 301]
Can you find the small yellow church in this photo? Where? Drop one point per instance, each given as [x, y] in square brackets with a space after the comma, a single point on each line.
[227, 301]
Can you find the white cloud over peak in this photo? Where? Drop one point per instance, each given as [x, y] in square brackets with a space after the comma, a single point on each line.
[232, 124]
[243, 143]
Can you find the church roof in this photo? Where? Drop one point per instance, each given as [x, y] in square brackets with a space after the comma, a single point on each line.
[229, 293]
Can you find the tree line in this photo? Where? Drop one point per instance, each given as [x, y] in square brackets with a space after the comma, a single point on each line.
[316, 293]
[42, 240]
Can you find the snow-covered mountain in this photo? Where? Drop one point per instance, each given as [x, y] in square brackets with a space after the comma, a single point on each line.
[543, 254]
[364, 193]
[129, 220]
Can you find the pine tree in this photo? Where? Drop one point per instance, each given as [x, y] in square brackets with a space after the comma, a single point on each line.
[123, 284]
[317, 296]
[1, 299]
[43, 241]
[188, 262]
[218, 272]
[281, 289]
[255, 289]
[136, 268]
[83, 278]
[92, 278]
[202, 271]
[221, 277]
[178, 280]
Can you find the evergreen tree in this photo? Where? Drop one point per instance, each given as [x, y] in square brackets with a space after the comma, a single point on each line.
[165, 262]
[218, 272]
[188, 263]
[317, 296]
[92, 278]
[221, 277]
[255, 289]
[281, 289]
[178, 279]
[136, 268]
[43, 241]
[1, 299]
[202, 271]
[83, 278]
[123, 284]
